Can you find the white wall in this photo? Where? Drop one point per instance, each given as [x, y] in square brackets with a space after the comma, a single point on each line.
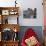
[32, 4]
[7, 3]
[24, 4]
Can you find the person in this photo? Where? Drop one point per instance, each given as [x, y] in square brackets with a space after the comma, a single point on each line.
[30, 38]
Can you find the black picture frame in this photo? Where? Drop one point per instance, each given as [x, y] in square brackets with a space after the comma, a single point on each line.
[30, 13]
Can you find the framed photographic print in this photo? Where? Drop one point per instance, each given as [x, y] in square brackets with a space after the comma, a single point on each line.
[5, 12]
[30, 13]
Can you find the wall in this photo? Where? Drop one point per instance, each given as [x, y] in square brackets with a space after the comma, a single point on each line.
[32, 4]
[7, 3]
[24, 4]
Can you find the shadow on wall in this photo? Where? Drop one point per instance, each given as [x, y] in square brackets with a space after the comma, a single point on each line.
[37, 29]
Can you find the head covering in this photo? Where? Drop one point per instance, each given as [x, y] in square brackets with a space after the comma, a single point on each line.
[29, 33]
